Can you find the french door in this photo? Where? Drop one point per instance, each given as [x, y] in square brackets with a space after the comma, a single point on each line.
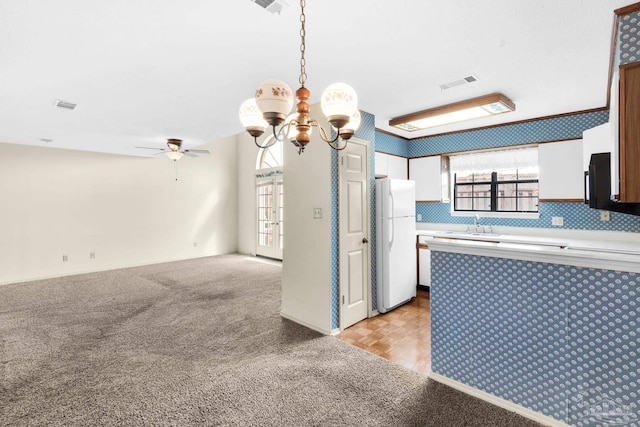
[270, 210]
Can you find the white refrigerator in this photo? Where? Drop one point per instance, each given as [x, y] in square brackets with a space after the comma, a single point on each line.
[395, 242]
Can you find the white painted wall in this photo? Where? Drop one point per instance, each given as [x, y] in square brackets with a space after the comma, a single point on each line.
[306, 267]
[394, 167]
[128, 210]
[561, 173]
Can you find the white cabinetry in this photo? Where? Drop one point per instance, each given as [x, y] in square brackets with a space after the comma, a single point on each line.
[602, 139]
[424, 259]
[394, 167]
[561, 172]
[425, 171]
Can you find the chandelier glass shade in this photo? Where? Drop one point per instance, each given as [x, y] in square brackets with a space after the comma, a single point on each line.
[274, 100]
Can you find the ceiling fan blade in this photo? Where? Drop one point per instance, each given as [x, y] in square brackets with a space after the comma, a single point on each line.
[187, 153]
[198, 151]
[151, 148]
[159, 153]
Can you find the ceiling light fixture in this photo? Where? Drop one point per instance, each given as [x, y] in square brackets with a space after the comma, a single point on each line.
[174, 155]
[483, 106]
[273, 102]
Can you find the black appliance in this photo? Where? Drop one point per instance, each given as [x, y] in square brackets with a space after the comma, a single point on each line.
[597, 187]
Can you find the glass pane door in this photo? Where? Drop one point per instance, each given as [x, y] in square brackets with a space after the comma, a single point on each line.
[270, 210]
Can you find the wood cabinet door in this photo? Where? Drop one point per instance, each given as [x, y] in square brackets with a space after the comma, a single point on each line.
[630, 132]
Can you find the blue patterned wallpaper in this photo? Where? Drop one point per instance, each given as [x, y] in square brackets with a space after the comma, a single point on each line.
[560, 340]
[366, 131]
[335, 241]
[552, 129]
[392, 144]
[629, 38]
[577, 216]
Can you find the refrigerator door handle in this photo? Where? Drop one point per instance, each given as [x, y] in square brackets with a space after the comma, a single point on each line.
[393, 231]
[392, 219]
[393, 206]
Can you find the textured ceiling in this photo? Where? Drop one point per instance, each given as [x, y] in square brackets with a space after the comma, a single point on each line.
[146, 70]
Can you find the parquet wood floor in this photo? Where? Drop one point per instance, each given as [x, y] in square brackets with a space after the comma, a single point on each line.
[402, 335]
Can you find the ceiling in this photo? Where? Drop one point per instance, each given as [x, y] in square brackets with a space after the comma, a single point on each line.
[147, 70]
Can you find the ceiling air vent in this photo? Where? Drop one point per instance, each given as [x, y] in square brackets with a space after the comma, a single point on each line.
[273, 6]
[464, 81]
[65, 104]
[46, 140]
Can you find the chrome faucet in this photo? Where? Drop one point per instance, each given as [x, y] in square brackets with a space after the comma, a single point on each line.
[477, 228]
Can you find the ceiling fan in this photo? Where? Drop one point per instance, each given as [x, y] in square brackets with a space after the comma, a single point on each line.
[175, 152]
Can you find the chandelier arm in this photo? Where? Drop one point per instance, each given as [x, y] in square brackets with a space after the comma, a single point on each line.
[323, 133]
[255, 140]
[278, 136]
[340, 148]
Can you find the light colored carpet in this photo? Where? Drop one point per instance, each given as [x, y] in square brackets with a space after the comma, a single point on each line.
[193, 343]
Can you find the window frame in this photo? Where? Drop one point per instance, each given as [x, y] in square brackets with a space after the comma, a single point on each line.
[494, 185]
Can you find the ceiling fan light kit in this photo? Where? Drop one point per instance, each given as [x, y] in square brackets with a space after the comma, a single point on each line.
[175, 150]
[175, 155]
[274, 99]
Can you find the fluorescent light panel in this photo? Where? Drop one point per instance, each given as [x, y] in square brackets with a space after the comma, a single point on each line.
[470, 109]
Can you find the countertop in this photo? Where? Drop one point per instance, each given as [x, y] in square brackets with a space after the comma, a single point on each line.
[577, 249]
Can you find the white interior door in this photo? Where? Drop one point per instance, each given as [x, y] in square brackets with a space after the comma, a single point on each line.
[355, 254]
[270, 209]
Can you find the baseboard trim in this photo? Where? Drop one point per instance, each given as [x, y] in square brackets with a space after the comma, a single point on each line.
[498, 401]
[305, 324]
[335, 332]
[106, 268]
[423, 288]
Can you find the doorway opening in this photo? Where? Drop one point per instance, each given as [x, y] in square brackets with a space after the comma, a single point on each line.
[270, 202]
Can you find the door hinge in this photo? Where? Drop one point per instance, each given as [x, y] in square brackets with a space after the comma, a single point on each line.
[342, 161]
[343, 299]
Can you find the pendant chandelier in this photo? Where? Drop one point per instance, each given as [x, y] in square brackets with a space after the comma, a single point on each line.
[273, 102]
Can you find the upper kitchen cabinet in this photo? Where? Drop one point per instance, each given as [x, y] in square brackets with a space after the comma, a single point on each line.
[602, 139]
[425, 171]
[561, 171]
[630, 132]
[391, 166]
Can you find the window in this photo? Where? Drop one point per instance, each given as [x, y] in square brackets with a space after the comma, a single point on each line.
[496, 181]
[271, 157]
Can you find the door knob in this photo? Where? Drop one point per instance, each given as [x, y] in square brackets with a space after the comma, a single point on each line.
[365, 240]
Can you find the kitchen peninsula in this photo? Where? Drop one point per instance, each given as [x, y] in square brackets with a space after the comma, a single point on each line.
[539, 322]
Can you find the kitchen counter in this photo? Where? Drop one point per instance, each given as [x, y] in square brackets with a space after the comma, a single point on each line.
[575, 250]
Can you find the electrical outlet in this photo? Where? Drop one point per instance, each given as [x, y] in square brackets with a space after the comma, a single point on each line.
[419, 217]
[605, 216]
[557, 221]
[92, 255]
[317, 213]
[65, 258]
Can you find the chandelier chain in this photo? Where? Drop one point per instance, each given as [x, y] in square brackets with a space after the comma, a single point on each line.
[303, 72]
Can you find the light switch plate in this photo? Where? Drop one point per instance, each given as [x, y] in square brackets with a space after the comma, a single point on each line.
[419, 217]
[317, 213]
